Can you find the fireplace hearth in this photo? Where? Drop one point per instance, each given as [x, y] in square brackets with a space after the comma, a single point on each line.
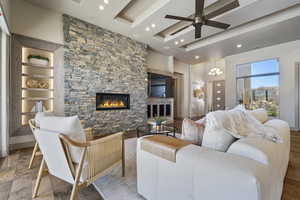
[112, 101]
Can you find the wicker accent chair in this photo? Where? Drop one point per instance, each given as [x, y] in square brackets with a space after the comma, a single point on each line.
[36, 151]
[89, 134]
[98, 157]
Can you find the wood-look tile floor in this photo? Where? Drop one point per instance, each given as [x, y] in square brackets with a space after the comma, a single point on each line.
[17, 181]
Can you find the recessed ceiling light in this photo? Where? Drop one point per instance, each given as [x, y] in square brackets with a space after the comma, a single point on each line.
[106, 1]
[153, 25]
[101, 7]
[197, 57]
[176, 42]
[182, 40]
[239, 45]
[147, 29]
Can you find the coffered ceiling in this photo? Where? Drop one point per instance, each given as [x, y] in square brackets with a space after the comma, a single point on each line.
[254, 24]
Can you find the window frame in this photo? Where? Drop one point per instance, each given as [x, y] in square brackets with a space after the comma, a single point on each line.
[259, 75]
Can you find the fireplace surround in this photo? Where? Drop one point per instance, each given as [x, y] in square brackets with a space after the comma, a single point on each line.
[112, 101]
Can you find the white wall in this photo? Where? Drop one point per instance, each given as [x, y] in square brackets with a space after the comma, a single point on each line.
[183, 68]
[160, 62]
[6, 9]
[4, 101]
[288, 54]
[36, 22]
[198, 79]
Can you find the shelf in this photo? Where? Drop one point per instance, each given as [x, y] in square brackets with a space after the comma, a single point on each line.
[38, 76]
[28, 113]
[37, 66]
[37, 89]
[36, 98]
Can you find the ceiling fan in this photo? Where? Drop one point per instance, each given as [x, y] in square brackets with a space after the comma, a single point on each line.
[201, 19]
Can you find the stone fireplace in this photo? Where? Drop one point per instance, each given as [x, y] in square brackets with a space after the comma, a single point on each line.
[112, 101]
[102, 67]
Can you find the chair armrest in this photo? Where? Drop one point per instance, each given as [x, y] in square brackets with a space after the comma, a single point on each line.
[104, 153]
[89, 134]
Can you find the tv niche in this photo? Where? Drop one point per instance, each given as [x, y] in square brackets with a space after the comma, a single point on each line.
[160, 86]
[112, 101]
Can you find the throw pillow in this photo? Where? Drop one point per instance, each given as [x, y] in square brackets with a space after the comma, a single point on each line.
[218, 139]
[192, 131]
[260, 114]
[69, 126]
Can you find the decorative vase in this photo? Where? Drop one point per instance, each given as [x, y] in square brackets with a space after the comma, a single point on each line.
[158, 127]
[31, 83]
[40, 62]
[43, 85]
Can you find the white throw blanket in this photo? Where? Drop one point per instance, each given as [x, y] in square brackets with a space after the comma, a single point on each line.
[239, 123]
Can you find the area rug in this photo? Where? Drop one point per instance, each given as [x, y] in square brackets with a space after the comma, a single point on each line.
[115, 187]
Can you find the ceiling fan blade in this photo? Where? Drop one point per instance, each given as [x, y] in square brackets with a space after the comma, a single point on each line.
[179, 30]
[216, 24]
[198, 30]
[199, 8]
[220, 7]
[179, 18]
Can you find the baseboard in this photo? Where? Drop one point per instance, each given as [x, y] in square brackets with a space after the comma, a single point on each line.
[294, 129]
[19, 146]
[21, 142]
[99, 191]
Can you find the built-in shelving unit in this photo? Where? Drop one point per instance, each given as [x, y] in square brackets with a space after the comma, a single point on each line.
[37, 96]
[38, 76]
[36, 66]
[37, 89]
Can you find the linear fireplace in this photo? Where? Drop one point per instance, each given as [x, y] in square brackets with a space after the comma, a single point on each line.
[112, 101]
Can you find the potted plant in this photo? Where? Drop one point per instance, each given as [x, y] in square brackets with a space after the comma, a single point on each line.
[158, 122]
[38, 60]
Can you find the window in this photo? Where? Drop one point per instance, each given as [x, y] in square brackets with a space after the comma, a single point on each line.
[258, 85]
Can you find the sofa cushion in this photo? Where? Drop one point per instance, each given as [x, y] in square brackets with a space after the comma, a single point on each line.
[192, 131]
[217, 139]
[260, 114]
[69, 126]
[255, 148]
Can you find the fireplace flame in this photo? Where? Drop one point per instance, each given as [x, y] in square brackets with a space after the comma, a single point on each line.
[112, 104]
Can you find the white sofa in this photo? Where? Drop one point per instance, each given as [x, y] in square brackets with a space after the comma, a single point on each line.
[251, 169]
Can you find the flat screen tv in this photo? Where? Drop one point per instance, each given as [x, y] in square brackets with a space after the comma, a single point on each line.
[159, 86]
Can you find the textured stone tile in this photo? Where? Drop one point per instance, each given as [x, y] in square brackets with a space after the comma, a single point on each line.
[21, 187]
[5, 188]
[98, 60]
[45, 190]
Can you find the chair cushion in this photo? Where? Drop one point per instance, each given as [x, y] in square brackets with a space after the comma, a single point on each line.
[260, 114]
[39, 115]
[192, 131]
[69, 126]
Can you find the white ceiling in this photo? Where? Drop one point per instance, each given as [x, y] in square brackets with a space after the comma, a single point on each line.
[215, 43]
